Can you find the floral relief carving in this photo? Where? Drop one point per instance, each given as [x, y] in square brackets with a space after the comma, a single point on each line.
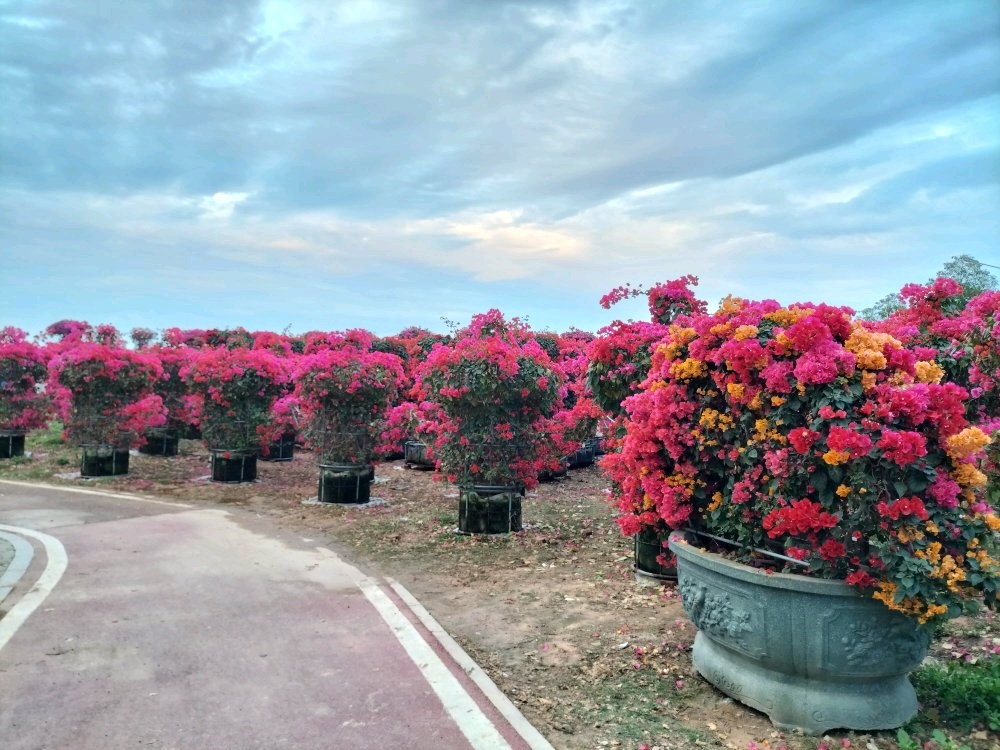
[715, 613]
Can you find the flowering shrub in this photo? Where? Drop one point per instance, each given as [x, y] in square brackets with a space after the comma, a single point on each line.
[620, 355]
[23, 368]
[619, 359]
[800, 429]
[104, 394]
[962, 339]
[344, 393]
[409, 421]
[183, 408]
[237, 388]
[495, 385]
[286, 419]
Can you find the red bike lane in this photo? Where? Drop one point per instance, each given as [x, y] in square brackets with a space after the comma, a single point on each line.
[176, 627]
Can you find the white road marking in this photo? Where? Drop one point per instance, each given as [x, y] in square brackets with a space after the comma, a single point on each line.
[503, 704]
[475, 725]
[102, 493]
[55, 566]
[23, 554]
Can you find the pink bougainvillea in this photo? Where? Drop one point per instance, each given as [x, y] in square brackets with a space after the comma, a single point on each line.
[834, 441]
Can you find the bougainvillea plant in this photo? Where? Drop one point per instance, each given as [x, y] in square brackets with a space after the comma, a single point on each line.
[620, 354]
[619, 361]
[495, 385]
[343, 395]
[409, 421]
[963, 339]
[237, 388]
[183, 407]
[104, 394]
[800, 430]
[23, 370]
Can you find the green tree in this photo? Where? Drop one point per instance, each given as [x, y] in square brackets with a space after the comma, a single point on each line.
[966, 270]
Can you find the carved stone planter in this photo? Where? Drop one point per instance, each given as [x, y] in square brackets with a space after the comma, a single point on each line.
[814, 655]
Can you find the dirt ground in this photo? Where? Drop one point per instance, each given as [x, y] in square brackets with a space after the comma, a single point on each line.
[553, 613]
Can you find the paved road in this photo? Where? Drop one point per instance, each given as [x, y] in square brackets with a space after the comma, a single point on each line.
[182, 627]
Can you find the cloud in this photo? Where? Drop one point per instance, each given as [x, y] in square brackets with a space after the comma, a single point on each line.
[773, 149]
[220, 205]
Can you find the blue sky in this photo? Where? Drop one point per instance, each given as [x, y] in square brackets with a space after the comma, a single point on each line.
[325, 165]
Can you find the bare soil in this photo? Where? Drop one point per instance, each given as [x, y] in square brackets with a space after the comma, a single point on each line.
[553, 613]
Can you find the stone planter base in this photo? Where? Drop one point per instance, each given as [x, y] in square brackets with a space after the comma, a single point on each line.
[814, 655]
[489, 510]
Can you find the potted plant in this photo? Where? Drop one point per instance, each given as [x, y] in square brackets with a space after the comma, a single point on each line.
[104, 396]
[278, 436]
[182, 407]
[494, 385]
[840, 471]
[409, 432]
[24, 406]
[619, 361]
[237, 388]
[344, 393]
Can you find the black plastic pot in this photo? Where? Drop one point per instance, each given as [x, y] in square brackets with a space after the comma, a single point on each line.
[583, 457]
[415, 455]
[649, 544]
[280, 450]
[345, 483]
[11, 443]
[103, 461]
[484, 509]
[160, 442]
[232, 467]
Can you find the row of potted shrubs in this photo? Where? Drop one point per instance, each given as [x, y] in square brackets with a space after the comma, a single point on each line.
[858, 449]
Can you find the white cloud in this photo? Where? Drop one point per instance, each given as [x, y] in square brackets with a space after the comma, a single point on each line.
[220, 206]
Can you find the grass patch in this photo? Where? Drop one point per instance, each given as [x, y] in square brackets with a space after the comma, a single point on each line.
[50, 437]
[959, 695]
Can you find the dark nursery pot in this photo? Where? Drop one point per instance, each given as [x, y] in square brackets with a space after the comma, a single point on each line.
[347, 484]
[11, 443]
[484, 509]
[649, 544]
[415, 455]
[282, 449]
[103, 461]
[582, 458]
[160, 442]
[232, 467]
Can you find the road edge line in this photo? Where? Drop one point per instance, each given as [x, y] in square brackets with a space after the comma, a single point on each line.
[55, 565]
[503, 704]
[24, 553]
[477, 728]
[83, 491]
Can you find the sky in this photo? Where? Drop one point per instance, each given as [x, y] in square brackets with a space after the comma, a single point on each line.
[323, 165]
